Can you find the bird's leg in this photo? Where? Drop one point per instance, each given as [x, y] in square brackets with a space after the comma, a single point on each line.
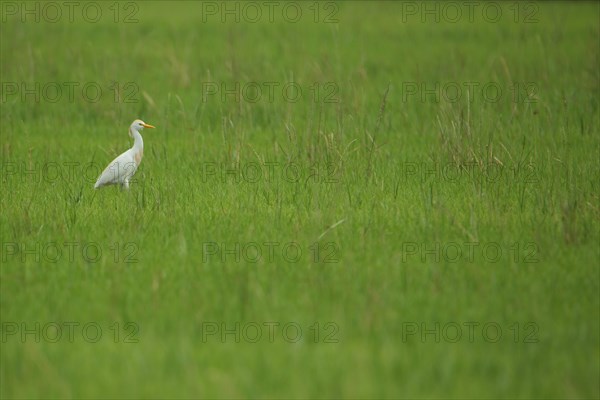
[126, 184]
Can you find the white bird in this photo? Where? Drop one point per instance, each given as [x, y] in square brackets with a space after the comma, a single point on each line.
[122, 168]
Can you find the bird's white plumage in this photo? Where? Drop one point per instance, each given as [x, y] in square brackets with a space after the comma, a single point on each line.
[119, 171]
[122, 168]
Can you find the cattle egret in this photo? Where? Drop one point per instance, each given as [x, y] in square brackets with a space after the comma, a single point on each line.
[122, 168]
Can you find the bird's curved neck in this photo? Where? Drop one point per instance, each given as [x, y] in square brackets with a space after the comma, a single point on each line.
[138, 142]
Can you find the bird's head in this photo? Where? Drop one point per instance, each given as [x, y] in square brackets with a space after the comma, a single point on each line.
[138, 125]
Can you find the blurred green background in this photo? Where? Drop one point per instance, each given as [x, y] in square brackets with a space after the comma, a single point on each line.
[418, 220]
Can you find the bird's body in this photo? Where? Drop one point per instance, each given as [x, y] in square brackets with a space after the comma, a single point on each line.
[122, 168]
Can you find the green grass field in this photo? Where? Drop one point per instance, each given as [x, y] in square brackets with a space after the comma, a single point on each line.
[340, 200]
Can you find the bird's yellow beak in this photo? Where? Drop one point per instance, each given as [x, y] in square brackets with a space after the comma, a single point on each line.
[148, 126]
